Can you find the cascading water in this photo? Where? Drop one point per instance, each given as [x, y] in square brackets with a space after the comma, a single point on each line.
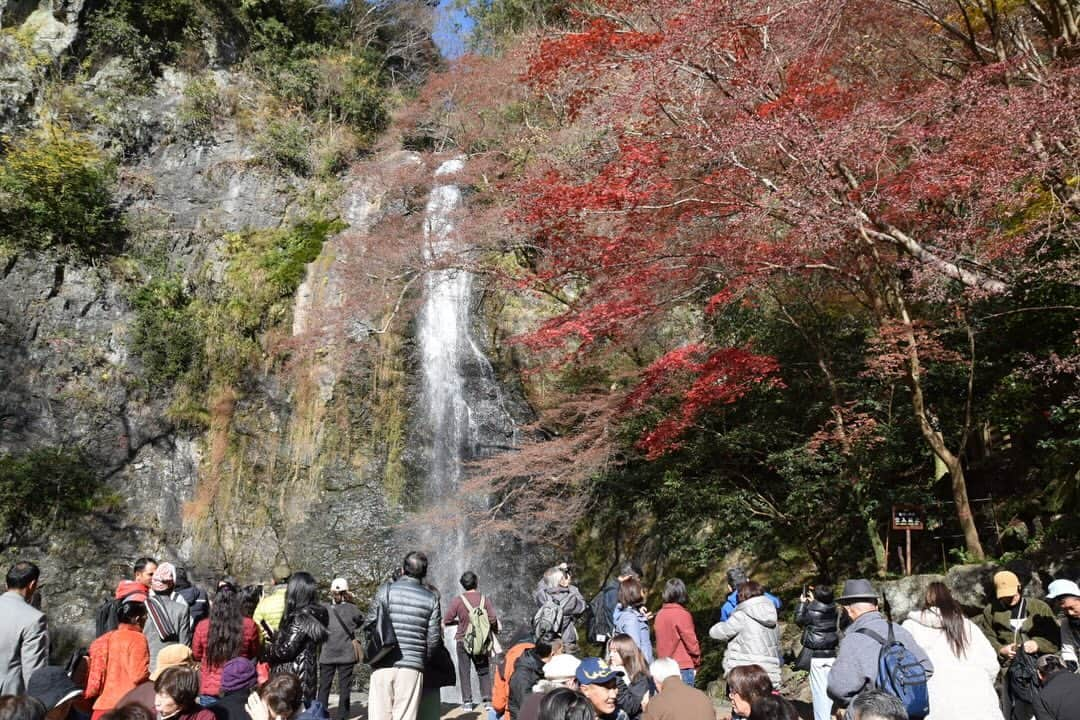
[465, 415]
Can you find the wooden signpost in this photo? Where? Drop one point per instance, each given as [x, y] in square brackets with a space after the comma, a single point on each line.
[907, 518]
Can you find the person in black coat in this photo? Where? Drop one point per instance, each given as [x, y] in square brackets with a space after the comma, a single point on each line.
[338, 655]
[529, 669]
[295, 648]
[1059, 698]
[817, 616]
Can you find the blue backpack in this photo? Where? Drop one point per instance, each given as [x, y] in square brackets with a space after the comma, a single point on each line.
[901, 674]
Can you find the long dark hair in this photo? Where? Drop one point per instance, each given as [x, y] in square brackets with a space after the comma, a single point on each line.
[226, 632]
[250, 595]
[300, 593]
[952, 616]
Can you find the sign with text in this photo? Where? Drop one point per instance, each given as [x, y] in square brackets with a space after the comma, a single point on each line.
[908, 517]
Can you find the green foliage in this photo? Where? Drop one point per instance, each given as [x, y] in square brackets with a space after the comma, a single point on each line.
[167, 334]
[149, 33]
[496, 21]
[285, 144]
[56, 192]
[43, 488]
[196, 343]
[201, 109]
[338, 87]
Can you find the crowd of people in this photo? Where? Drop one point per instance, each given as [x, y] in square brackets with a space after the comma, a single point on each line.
[166, 650]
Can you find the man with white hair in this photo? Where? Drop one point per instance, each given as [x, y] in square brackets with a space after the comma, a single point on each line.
[856, 666]
[559, 604]
[876, 705]
[676, 700]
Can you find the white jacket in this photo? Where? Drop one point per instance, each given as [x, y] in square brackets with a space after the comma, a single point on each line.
[753, 637]
[960, 688]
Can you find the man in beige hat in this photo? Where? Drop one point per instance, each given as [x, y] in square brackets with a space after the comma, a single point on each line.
[143, 693]
[1010, 622]
[1010, 618]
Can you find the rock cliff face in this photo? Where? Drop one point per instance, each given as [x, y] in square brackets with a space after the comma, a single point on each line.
[302, 460]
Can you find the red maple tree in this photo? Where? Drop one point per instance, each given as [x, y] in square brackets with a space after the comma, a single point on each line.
[905, 154]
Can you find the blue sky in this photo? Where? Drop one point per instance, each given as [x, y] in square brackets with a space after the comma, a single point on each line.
[452, 28]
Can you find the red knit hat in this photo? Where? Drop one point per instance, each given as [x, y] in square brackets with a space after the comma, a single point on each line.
[131, 591]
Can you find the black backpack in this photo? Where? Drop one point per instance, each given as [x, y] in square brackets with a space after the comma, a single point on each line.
[1022, 678]
[599, 625]
[106, 619]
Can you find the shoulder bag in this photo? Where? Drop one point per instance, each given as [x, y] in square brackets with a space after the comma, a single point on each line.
[380, 638]
[357, 646]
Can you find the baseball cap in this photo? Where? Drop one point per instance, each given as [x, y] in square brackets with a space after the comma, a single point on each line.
[595, 671]
[1006, 584]
[1062, 588]
[561, 667]
[339, 585]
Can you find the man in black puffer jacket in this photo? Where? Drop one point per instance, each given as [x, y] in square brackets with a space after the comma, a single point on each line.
[397, 680]
[816, 614]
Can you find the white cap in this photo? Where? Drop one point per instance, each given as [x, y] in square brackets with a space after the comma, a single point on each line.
[339, 585]
[1061, 588]
[561, 667]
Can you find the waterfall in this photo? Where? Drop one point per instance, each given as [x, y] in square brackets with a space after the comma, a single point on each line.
[464, 415]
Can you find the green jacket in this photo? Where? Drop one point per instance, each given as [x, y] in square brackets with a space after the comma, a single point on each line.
[270, 609]
[1040, 625]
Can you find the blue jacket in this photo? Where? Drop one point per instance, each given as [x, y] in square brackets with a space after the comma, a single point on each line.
[732, 600]
[633, 623]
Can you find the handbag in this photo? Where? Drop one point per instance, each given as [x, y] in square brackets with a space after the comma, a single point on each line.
[440, 668]
[380, 639]
[802, 662]
[357, 646]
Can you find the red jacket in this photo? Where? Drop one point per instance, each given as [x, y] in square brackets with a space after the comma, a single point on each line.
[210, 675]
[457, 614]
[119, 660]
[675, 636]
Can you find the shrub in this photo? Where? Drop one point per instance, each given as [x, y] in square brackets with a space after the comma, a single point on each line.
[201, 109]
[43, 488]
[167, 334]
[286, 145]
[56, 191]
[213, 340]
[149, 33]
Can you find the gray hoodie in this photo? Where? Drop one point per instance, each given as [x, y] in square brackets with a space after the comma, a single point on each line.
[753, 635]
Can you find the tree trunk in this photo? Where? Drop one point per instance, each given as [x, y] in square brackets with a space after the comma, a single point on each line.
[936, 442]
[880, 559]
